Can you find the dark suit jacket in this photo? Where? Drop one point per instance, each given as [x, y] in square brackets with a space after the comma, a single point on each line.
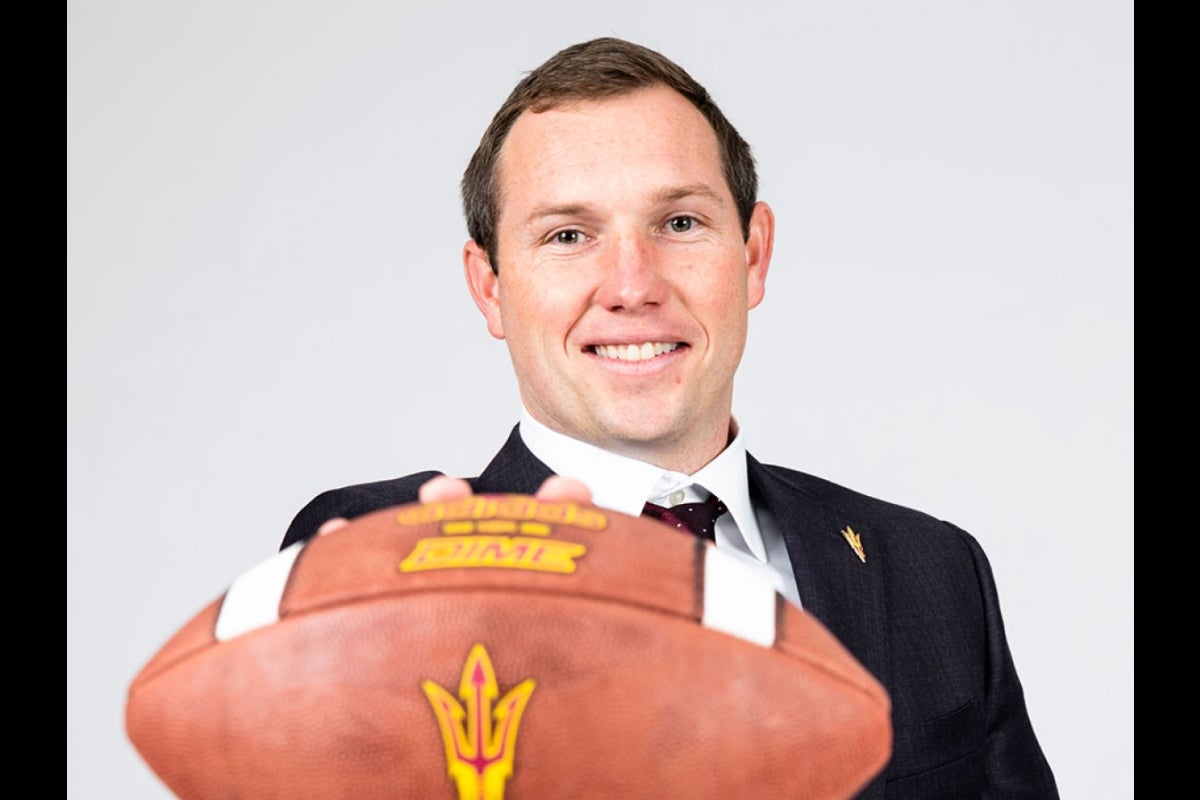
[922, 614]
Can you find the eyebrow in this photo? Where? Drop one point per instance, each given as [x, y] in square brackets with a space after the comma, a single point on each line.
[666, 194]
[670, 193]
[565, 210]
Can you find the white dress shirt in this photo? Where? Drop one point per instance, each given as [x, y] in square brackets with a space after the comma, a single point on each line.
[626, 484]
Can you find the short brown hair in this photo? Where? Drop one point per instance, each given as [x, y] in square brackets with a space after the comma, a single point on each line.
[592, 70]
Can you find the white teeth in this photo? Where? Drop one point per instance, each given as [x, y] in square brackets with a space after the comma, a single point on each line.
[634, 352]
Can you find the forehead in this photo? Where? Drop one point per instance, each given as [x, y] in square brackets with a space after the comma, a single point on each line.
[645, 140]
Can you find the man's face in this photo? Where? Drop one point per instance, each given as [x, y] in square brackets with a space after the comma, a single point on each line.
[624, 280]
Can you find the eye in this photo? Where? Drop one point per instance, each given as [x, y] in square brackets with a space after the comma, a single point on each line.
[681, 224]
[568, 237]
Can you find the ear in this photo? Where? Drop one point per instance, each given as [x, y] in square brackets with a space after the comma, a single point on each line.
[759, 244]
[484, 285]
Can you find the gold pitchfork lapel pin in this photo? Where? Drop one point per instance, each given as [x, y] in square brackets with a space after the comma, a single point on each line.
[855, 542]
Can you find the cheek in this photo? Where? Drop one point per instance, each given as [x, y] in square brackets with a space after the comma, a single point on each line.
[550, 304]
[720, 298]
[536, 316]
[727, 322]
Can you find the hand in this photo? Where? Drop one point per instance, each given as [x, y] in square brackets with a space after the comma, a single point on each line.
[443, 488]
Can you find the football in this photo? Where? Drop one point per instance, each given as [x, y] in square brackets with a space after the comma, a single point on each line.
[501, 646]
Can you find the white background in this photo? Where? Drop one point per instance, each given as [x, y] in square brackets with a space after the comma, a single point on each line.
[265, 296]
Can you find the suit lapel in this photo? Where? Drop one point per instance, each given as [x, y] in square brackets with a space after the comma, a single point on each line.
[842, 591]
[513, 470]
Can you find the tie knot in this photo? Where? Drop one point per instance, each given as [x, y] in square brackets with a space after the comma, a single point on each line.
[697, 518]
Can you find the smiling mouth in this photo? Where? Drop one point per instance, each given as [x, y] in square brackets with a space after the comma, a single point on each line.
[633, 352]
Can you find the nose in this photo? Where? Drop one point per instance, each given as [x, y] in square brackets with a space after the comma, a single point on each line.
[631, 274]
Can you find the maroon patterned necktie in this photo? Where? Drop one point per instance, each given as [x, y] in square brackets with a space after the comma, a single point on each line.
[697, 518]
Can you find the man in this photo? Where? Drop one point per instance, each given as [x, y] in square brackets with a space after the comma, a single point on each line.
[617, 246]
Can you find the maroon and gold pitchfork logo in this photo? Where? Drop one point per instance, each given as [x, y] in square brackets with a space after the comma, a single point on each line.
[479, 738]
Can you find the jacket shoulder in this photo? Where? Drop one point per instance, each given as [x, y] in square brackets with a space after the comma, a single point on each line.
[814, 489]
[886, 518]
[354, 501]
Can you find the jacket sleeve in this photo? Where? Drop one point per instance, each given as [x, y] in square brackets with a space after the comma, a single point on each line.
[1014, 763]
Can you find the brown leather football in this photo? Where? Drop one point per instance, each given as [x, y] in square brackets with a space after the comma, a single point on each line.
[506, 647]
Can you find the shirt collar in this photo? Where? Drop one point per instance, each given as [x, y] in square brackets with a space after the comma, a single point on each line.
[624, 484]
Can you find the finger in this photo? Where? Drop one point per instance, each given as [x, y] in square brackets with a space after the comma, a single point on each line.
[443, 488]
[559, 489]
[331, 525]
